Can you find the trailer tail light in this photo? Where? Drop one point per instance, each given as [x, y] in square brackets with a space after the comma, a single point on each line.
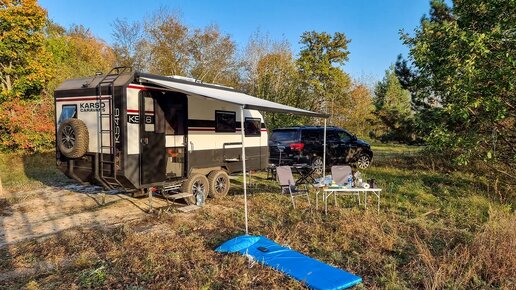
[297, 146]
[172, 153]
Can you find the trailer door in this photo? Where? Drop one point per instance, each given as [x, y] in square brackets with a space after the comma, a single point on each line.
[153, 158]
[174, 106]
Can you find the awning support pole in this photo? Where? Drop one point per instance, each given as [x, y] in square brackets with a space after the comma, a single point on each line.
[324, 152]
[244, 169]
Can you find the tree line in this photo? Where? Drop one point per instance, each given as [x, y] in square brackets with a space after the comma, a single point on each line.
[46, 54]
[458, 84]
[454, 92]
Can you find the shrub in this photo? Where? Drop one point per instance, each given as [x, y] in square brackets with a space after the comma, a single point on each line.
[27, 125]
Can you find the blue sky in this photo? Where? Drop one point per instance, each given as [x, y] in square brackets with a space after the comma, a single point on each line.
[372, 25]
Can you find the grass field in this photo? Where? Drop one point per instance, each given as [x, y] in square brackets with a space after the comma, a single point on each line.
[436, 229]
[24, 172]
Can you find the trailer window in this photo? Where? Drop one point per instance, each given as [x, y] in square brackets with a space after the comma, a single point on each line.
[149, 113]
[225, 121]
[252, 126]
[67, 112]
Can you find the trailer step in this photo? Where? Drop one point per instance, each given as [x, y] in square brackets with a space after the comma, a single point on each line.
[188, 208]
[177, 195]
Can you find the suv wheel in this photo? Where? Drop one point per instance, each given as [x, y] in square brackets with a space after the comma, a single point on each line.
[363, 161]
[317, 162]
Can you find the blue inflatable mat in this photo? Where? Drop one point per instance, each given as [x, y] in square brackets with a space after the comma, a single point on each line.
[313, 273]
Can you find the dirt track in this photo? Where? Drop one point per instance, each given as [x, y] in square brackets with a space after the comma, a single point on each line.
[53, 209]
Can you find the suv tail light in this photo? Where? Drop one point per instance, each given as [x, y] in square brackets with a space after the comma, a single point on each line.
[297, 146]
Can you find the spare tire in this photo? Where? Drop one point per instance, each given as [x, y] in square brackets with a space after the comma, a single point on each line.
[73, 138]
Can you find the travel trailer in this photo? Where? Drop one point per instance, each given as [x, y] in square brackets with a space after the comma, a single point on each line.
[144, 133]
[124, 130]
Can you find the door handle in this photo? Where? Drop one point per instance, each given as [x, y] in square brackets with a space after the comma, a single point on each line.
[144, 141]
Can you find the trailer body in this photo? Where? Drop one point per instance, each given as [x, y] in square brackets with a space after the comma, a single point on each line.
[141, 135]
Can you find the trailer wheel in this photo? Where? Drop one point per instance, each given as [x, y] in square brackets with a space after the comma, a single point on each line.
[72, 138]
[197, 185]
[219, 183]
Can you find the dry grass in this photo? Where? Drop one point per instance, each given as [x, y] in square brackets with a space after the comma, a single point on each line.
[435, 230]
[489, 260]
[25, 172]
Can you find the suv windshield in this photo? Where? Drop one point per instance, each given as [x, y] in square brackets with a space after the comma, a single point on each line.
[284, 136]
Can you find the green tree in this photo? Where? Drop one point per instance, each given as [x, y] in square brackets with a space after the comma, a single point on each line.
[464, 56]
[393, 108]
[319, 65]
[24, 61]
[76, 53]
[25, 70]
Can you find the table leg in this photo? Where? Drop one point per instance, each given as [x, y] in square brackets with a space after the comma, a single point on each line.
[379, 201]
[365, 199]
[317, 199]
[325, 201]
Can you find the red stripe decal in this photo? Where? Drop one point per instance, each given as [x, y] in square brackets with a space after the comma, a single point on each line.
[133, 111]
[149, 112]
[142, 88]
[137, 87]
[81, 99]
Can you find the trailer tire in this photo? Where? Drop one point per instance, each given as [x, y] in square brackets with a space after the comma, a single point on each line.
[73, 138]
[197, 185]
[219, 183]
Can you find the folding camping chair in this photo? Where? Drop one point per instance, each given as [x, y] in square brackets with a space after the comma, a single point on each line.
[340, 174]
[287, 181]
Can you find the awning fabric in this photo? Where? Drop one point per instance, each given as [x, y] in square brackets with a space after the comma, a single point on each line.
[231, 96]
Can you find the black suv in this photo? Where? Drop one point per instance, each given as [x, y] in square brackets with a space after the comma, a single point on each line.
[305, 145]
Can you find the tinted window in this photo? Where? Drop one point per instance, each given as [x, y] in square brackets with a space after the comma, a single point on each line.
[344, 136]
[284, 136]
[225, 121]
[252, 126]
[332, 136]
[67, 112]
[173, 107]
[312, 136]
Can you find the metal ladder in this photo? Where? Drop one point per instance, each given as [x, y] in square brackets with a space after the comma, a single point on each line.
[108, 178]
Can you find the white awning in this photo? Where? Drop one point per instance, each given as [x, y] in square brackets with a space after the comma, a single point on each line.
[228, 96]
